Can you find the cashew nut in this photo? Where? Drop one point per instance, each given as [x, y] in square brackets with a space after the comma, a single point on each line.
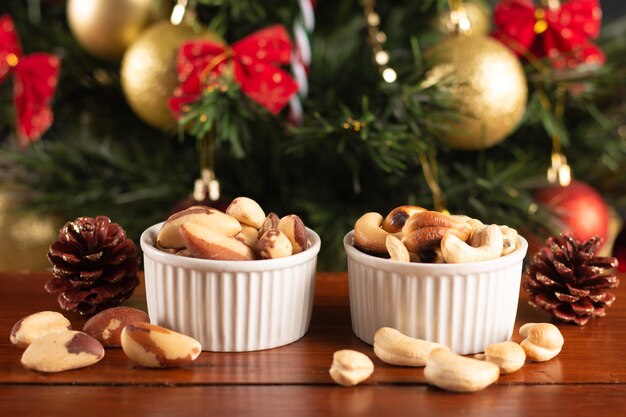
[456, 251]
[395, 348]
[350, 367]
[397, 250]
[457, 373]
[396, 219]
[369, 236]
[509, 236]
[509, 356]
[543, 341]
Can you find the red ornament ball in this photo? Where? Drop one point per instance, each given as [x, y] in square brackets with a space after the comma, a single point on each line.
[579, 207]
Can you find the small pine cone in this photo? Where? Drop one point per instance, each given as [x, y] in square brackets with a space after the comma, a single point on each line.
[566, 279]
[94, 265]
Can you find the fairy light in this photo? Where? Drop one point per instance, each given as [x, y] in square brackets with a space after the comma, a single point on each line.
[377, 39]
[178, 12]
[459, 22]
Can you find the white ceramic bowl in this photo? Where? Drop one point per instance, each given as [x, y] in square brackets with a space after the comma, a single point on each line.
[465, 306]
[231, 306]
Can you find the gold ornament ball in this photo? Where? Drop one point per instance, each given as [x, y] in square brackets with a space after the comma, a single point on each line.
[486, 82]
[106, 28]
[27, 235]
[149, 72]
[478, 15]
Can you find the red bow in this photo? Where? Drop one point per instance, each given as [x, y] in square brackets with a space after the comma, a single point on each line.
[34, 81]
[253, 61]
[561, 32]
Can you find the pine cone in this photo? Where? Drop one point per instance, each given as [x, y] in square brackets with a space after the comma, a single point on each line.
[569, 281]
[94, 265]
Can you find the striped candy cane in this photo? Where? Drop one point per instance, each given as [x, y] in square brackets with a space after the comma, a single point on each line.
[301, 58]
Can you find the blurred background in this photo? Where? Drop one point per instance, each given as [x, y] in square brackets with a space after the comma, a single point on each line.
[394, 103]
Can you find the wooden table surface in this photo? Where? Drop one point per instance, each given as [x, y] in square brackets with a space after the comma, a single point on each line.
[587, 378]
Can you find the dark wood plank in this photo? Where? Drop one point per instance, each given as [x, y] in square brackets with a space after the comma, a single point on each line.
[304, 401]
[592, 354]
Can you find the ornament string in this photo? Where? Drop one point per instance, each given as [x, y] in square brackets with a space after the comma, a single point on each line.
[377, 39]
[559, 170]
[206, 186]
[429, 168]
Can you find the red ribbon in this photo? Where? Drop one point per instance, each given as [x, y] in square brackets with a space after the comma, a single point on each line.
[254, 61]
[559, 33]
[34, 82]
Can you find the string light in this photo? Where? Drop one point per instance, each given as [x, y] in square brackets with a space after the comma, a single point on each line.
[459, 23]
[377, 39]
[178, 12]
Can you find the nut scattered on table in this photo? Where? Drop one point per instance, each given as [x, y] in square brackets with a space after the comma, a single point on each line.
[350, 367]
[543, 341]
[62, 351]
[509, 356]
[35, 325]
[395, 348]
[157, 347]
[457, 373]
[243, 232]
[106, 326]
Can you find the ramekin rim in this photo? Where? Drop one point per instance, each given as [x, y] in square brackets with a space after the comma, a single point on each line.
[415, 267]
[148, 236]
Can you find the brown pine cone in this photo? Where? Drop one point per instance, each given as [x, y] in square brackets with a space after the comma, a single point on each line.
[94, 265]
[569, 281]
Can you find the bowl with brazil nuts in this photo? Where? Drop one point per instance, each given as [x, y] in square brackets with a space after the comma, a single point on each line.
[444, 278]
[237, 280]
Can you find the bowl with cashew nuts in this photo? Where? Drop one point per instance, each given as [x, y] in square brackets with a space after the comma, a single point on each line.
[236, 281]
[444, 278]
